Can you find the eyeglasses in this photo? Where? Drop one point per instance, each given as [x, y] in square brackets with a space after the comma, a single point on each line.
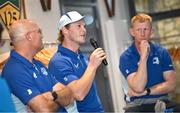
[36, 30]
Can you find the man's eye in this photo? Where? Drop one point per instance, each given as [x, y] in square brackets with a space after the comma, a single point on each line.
[146, 28]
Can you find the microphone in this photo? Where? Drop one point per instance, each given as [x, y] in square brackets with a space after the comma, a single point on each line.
[96, 45]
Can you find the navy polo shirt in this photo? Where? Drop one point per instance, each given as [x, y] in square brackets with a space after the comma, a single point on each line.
[25, 79]
[68, 66]
[158, 62]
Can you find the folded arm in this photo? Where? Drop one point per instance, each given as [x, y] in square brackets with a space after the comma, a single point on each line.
[45, 103]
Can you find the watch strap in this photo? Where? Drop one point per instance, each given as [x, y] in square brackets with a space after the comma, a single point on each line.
[148, 90]
[55, 95]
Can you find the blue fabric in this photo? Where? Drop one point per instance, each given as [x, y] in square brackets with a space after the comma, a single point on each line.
[68, 66]
[6, 103]
[158, 62]
[25, 79]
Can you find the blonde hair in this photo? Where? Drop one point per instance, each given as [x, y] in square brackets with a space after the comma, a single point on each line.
[141, 17]
[61, 35]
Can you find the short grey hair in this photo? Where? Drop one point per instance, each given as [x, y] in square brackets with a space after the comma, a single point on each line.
[19, 28]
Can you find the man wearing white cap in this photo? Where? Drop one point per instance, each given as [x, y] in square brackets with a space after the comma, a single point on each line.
[71, 67]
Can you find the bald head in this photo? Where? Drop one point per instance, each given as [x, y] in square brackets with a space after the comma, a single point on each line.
[20, 28]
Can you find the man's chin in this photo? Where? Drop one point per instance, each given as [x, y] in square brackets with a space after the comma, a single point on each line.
[41, 48]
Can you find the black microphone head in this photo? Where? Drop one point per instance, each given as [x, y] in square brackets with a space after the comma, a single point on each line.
[94, 43]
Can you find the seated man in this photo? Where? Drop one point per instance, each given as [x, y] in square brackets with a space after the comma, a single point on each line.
[147, 67]
[29, 79]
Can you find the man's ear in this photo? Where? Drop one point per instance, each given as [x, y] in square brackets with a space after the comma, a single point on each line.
[131, 31]
[64, 30]
[152, 30]
[29, 36]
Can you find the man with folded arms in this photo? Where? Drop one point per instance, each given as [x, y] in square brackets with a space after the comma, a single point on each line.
[29, 79]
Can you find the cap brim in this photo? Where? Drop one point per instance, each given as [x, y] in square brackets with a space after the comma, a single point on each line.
[88, 19]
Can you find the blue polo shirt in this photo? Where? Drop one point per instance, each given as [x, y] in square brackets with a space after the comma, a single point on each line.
[25, 79]
[68, 66]
[6, 103]
[158, 62]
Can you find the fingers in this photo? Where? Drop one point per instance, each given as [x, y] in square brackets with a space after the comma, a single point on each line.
[58, 86]
[97, 56]
[65, 97]
[100, 53]
[144, 49]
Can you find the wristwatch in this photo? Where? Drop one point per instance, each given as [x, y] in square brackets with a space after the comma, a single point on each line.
[148, 90]
[55, 95]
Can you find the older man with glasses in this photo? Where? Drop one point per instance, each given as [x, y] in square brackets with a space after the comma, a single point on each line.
[28, 78]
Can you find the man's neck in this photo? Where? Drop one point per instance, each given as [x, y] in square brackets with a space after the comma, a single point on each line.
[28, 55]
[73, 47]
[137, 45]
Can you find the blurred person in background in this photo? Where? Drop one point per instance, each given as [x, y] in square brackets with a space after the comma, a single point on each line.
[6, 103]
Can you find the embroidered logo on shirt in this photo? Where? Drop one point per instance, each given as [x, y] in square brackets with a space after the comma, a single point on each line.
[44, 72]
[34, 75]
[155, 60]
[65, 79]
[127, 71]
[29, 91]
[76, 65]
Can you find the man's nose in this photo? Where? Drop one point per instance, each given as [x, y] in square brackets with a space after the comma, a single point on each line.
[84, 29]
[142, 32]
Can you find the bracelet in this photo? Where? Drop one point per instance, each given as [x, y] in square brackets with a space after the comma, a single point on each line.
[148, 91]
[55, 95]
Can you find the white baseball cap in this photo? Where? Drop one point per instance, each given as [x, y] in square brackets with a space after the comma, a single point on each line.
[73, 16]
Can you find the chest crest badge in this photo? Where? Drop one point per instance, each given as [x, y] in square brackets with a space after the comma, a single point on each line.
[156, 60]
[43, 71]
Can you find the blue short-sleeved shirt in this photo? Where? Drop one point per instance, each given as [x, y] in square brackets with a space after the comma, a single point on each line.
[25, 79]
[68, 66]
[158, 62]
[6, 103]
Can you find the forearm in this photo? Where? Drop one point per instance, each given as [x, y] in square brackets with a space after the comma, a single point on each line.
[43, 103]
[139, 80]
[52, 105]
[163, 88]
[82, 86]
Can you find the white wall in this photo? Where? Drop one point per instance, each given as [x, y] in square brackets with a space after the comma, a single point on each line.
[115, 33]
[46, 20]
